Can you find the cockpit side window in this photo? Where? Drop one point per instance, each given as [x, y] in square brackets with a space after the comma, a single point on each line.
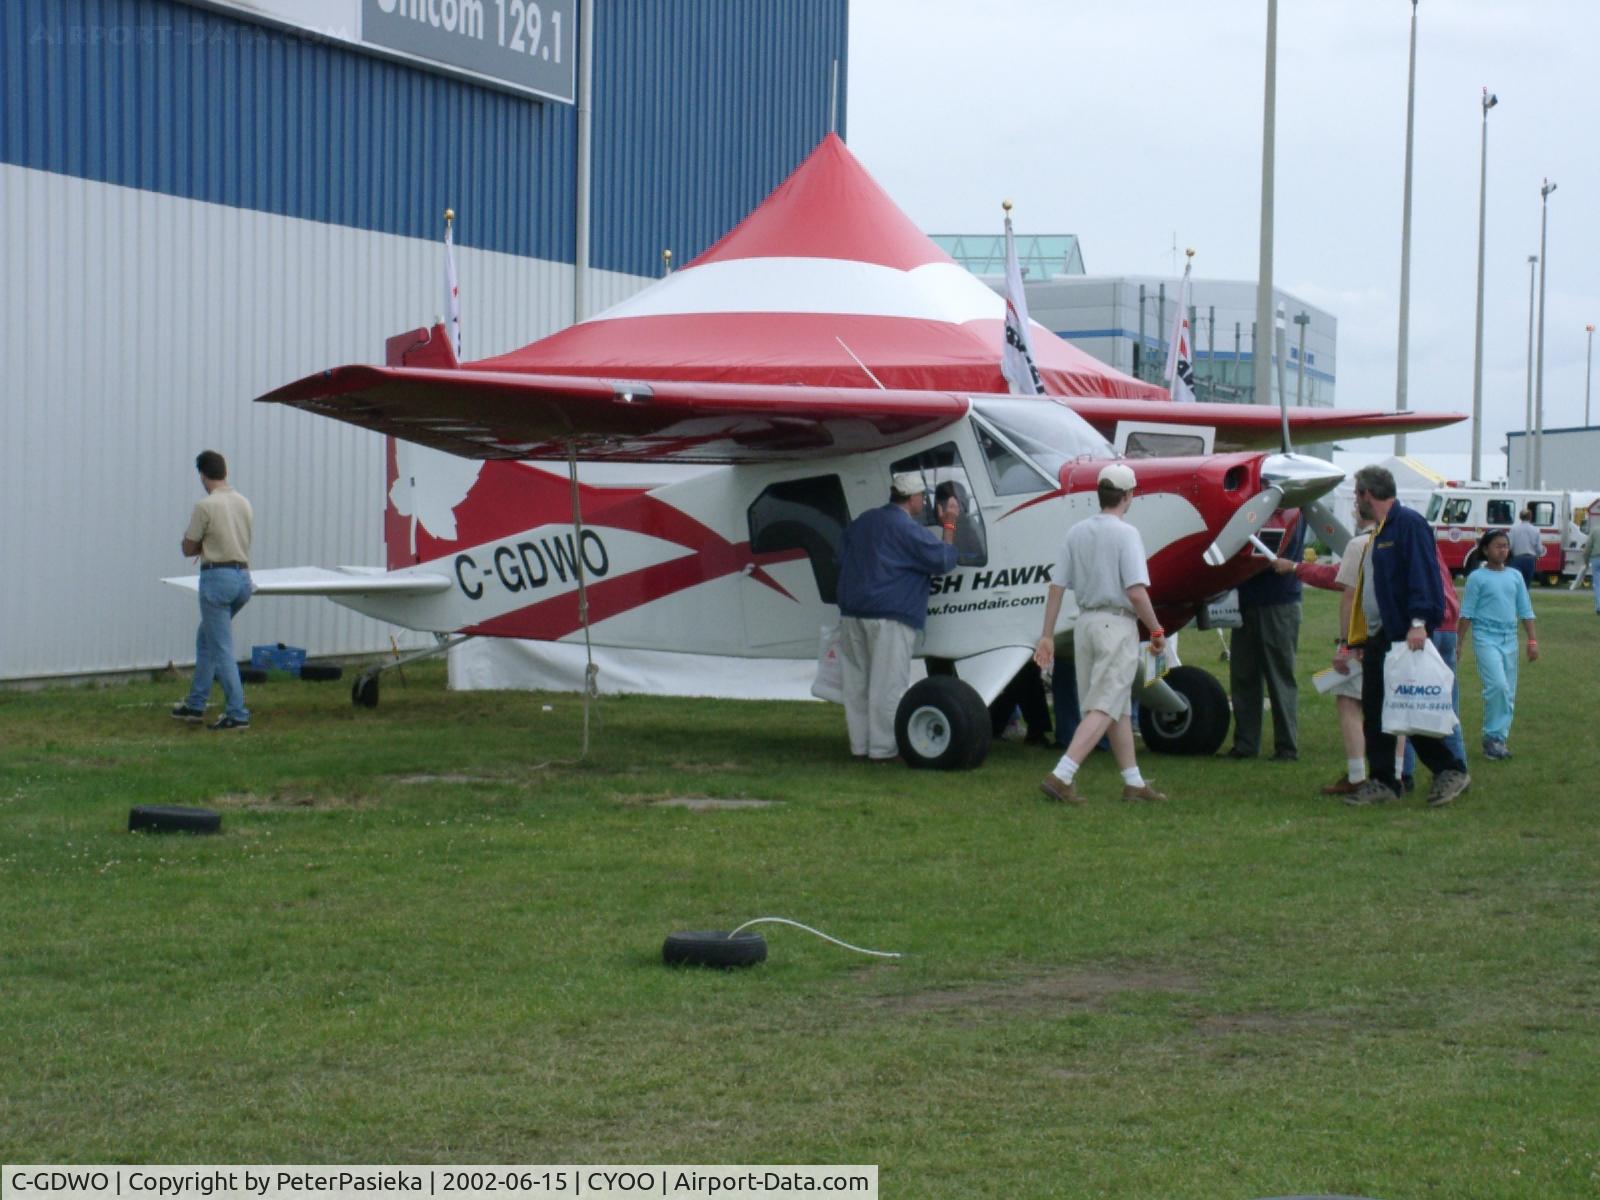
[943, 472]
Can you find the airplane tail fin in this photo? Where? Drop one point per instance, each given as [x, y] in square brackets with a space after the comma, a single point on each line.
[426, 347]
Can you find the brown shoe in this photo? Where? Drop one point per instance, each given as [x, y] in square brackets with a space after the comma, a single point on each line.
[1055, 788]
[1340, 787]
[1143, 792]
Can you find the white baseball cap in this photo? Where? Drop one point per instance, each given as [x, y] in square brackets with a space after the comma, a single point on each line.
[907, 483]
[1118, 475]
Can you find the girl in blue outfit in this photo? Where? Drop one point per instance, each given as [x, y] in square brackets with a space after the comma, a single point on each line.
[1496, 600]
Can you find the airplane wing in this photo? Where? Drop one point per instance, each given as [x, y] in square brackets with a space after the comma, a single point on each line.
[503, 414]
[321, 581]
[515, 415]
[1258, 426]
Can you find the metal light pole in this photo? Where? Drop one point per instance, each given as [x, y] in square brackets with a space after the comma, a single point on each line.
[1588, 371]
[1405, 240]
[1301, 319]
[1538, 387]
[1262, 363]
[1477, 346]
[1527, 420]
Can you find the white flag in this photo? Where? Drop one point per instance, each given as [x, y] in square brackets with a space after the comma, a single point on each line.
[452, 293]
[1016, 357]
[1179, 371]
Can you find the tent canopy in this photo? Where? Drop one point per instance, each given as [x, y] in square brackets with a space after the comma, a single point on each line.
[827, 271]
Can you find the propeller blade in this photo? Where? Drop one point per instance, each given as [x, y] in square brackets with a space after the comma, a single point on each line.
[1325, 523]
[1249, 519]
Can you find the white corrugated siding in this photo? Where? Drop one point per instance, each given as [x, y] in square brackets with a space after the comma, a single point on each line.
[139, 328]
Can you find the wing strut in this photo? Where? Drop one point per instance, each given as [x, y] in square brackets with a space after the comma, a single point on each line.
[590, 671]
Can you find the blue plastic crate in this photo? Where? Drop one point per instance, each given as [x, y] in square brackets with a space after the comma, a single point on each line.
[278, 658]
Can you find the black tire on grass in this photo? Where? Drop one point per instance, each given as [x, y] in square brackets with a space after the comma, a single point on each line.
[942, 724]
[173, 818]
[713, 948]
[252, 675]
[364, 692]
[320, 672]
[1202, 729]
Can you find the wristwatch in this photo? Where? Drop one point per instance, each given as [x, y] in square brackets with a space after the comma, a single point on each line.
[1418, 623]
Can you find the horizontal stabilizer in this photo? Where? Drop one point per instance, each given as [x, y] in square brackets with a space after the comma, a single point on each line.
[323, 581]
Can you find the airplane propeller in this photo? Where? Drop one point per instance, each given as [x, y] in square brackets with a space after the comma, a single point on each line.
[1327, 525]
[1247, 521]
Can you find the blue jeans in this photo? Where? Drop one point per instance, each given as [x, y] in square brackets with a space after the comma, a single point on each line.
[1594, 574]
[1445, 642]
[223, 592]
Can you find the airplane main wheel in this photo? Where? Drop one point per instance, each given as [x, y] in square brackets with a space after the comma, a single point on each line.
[1202, 729]
[364, 692]
[942, 724]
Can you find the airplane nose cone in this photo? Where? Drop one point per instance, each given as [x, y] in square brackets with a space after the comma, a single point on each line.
[1300, 477]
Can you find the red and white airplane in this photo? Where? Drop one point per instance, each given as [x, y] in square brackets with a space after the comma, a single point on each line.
[819, 347]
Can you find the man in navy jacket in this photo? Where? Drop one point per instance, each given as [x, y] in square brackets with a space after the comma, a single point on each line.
[885, 562]
[1402, 600]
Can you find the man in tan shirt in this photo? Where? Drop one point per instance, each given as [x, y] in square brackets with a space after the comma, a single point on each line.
[219, 533]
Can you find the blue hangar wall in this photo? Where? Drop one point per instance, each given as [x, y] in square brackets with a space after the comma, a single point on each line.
[201, 208]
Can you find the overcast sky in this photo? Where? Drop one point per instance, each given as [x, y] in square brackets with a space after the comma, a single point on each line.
[1126, 121]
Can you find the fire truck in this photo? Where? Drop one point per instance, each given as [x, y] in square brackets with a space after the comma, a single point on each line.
[1460, 515]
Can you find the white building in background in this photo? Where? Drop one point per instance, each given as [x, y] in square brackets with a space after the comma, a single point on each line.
[1569, 460]
[1125, 320]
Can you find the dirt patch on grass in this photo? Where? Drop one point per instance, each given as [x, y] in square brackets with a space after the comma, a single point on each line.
[425, 777]
[693, 803]
[286, 799]
[1220, 1025]
[1080, 990]
[709, 803]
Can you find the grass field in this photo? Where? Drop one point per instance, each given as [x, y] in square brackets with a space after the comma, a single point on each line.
[430, 933]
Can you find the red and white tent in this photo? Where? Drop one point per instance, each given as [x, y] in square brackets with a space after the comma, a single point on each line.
[828, 261]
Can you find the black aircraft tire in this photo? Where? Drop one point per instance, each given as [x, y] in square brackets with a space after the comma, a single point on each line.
[713, 948]
[320, 672]
[1202, 729]
[172, 818]
[364, 692]
[942, 724]
[252, 675]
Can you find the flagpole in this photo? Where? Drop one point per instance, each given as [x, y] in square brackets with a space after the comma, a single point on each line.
[1178, 370]
[1016, 351]
[452, 291]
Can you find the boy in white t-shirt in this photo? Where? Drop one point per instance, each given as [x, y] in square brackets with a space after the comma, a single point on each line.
[1103, 562]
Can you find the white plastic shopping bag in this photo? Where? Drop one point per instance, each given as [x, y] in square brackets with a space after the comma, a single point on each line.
[829, 683]
[1416, 692]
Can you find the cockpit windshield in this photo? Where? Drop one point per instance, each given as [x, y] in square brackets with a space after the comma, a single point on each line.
[1046, 430]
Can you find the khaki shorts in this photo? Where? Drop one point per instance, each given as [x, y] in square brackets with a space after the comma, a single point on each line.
[1106, 649]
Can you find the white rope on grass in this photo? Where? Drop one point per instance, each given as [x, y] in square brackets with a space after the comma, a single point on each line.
[818, 932]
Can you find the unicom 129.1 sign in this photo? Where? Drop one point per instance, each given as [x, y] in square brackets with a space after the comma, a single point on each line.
[524, 45]
[529, 44]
